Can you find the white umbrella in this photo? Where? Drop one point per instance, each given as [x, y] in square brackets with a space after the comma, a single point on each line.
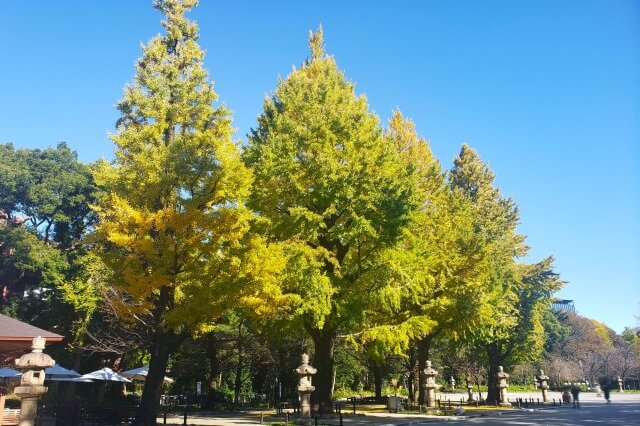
[9, 373]
[107, 375]
[141, 373]
[60, 374]
[71, 379]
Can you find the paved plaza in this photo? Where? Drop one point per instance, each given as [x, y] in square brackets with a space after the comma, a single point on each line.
[623, 410]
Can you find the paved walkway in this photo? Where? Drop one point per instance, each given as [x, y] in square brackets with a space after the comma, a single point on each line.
[624, 410]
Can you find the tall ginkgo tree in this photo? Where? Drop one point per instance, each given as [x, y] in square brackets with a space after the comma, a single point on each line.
[173, 225]
[335, 191]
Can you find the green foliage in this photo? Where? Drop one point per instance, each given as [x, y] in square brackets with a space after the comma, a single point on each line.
[331, 187]
[45, 198]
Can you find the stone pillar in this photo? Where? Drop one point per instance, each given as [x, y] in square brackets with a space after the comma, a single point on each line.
[32, 386]
[305, 371]
[430, 384]
[470, 389]
[620, 384]
[542, 385]
[503, 385]
[452, 382]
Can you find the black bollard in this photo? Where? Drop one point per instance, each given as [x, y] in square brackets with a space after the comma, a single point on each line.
[538, 401]
[315, 420]
[354, 404]
[164, 417]
[340, 419]
[184, 421]
[554, 402]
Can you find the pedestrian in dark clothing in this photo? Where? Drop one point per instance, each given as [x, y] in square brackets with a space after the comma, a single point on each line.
[575, 393]
[607, 392]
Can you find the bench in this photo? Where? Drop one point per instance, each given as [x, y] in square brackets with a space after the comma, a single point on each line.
[10, 417]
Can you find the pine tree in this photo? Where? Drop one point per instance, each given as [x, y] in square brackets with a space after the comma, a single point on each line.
[173, 225]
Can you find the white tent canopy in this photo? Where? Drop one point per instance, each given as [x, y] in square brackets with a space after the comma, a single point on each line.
[107, 375]
[141, 373]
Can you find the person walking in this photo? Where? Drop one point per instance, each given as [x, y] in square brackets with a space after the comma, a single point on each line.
[607, 393]
[575, 393]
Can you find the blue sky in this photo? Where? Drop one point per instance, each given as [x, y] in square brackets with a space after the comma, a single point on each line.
[548, 92]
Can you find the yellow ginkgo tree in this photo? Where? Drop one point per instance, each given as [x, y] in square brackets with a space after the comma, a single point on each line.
[173, 226]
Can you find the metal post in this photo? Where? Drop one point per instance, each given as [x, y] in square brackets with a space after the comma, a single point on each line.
[184, 422]
[315, 420]
[354, 404]
[165, 415]
[341, 419]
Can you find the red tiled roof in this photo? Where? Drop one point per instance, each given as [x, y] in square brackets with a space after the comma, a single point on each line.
[17, 335]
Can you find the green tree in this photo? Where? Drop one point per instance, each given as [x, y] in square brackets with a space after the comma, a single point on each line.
[173, 225]
[442, 255]
[518, 294]
[44, 204]
[332, 188]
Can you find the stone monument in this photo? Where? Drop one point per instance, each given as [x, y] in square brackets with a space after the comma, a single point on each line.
[620, 384]
[305, 371]
[542, 385]
[502, 386]
[470, 389]
[32, 386]
[430, 384]
[452, 382]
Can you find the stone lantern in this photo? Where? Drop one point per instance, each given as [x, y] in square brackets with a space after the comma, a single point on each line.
[430, 384]
[32, 386]
[305, 371]
[542, 385]
[502, 386]
[620, 384]
[470, 389]
[452, 382]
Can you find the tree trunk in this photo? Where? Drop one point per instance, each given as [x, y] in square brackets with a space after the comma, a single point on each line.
[148, 410]
[324, 342]
[377, 379]
[238, 380]
[413, 376]
[493, 355]
[424, 346]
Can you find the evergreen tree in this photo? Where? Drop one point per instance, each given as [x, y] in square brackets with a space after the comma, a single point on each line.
[44, 218]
